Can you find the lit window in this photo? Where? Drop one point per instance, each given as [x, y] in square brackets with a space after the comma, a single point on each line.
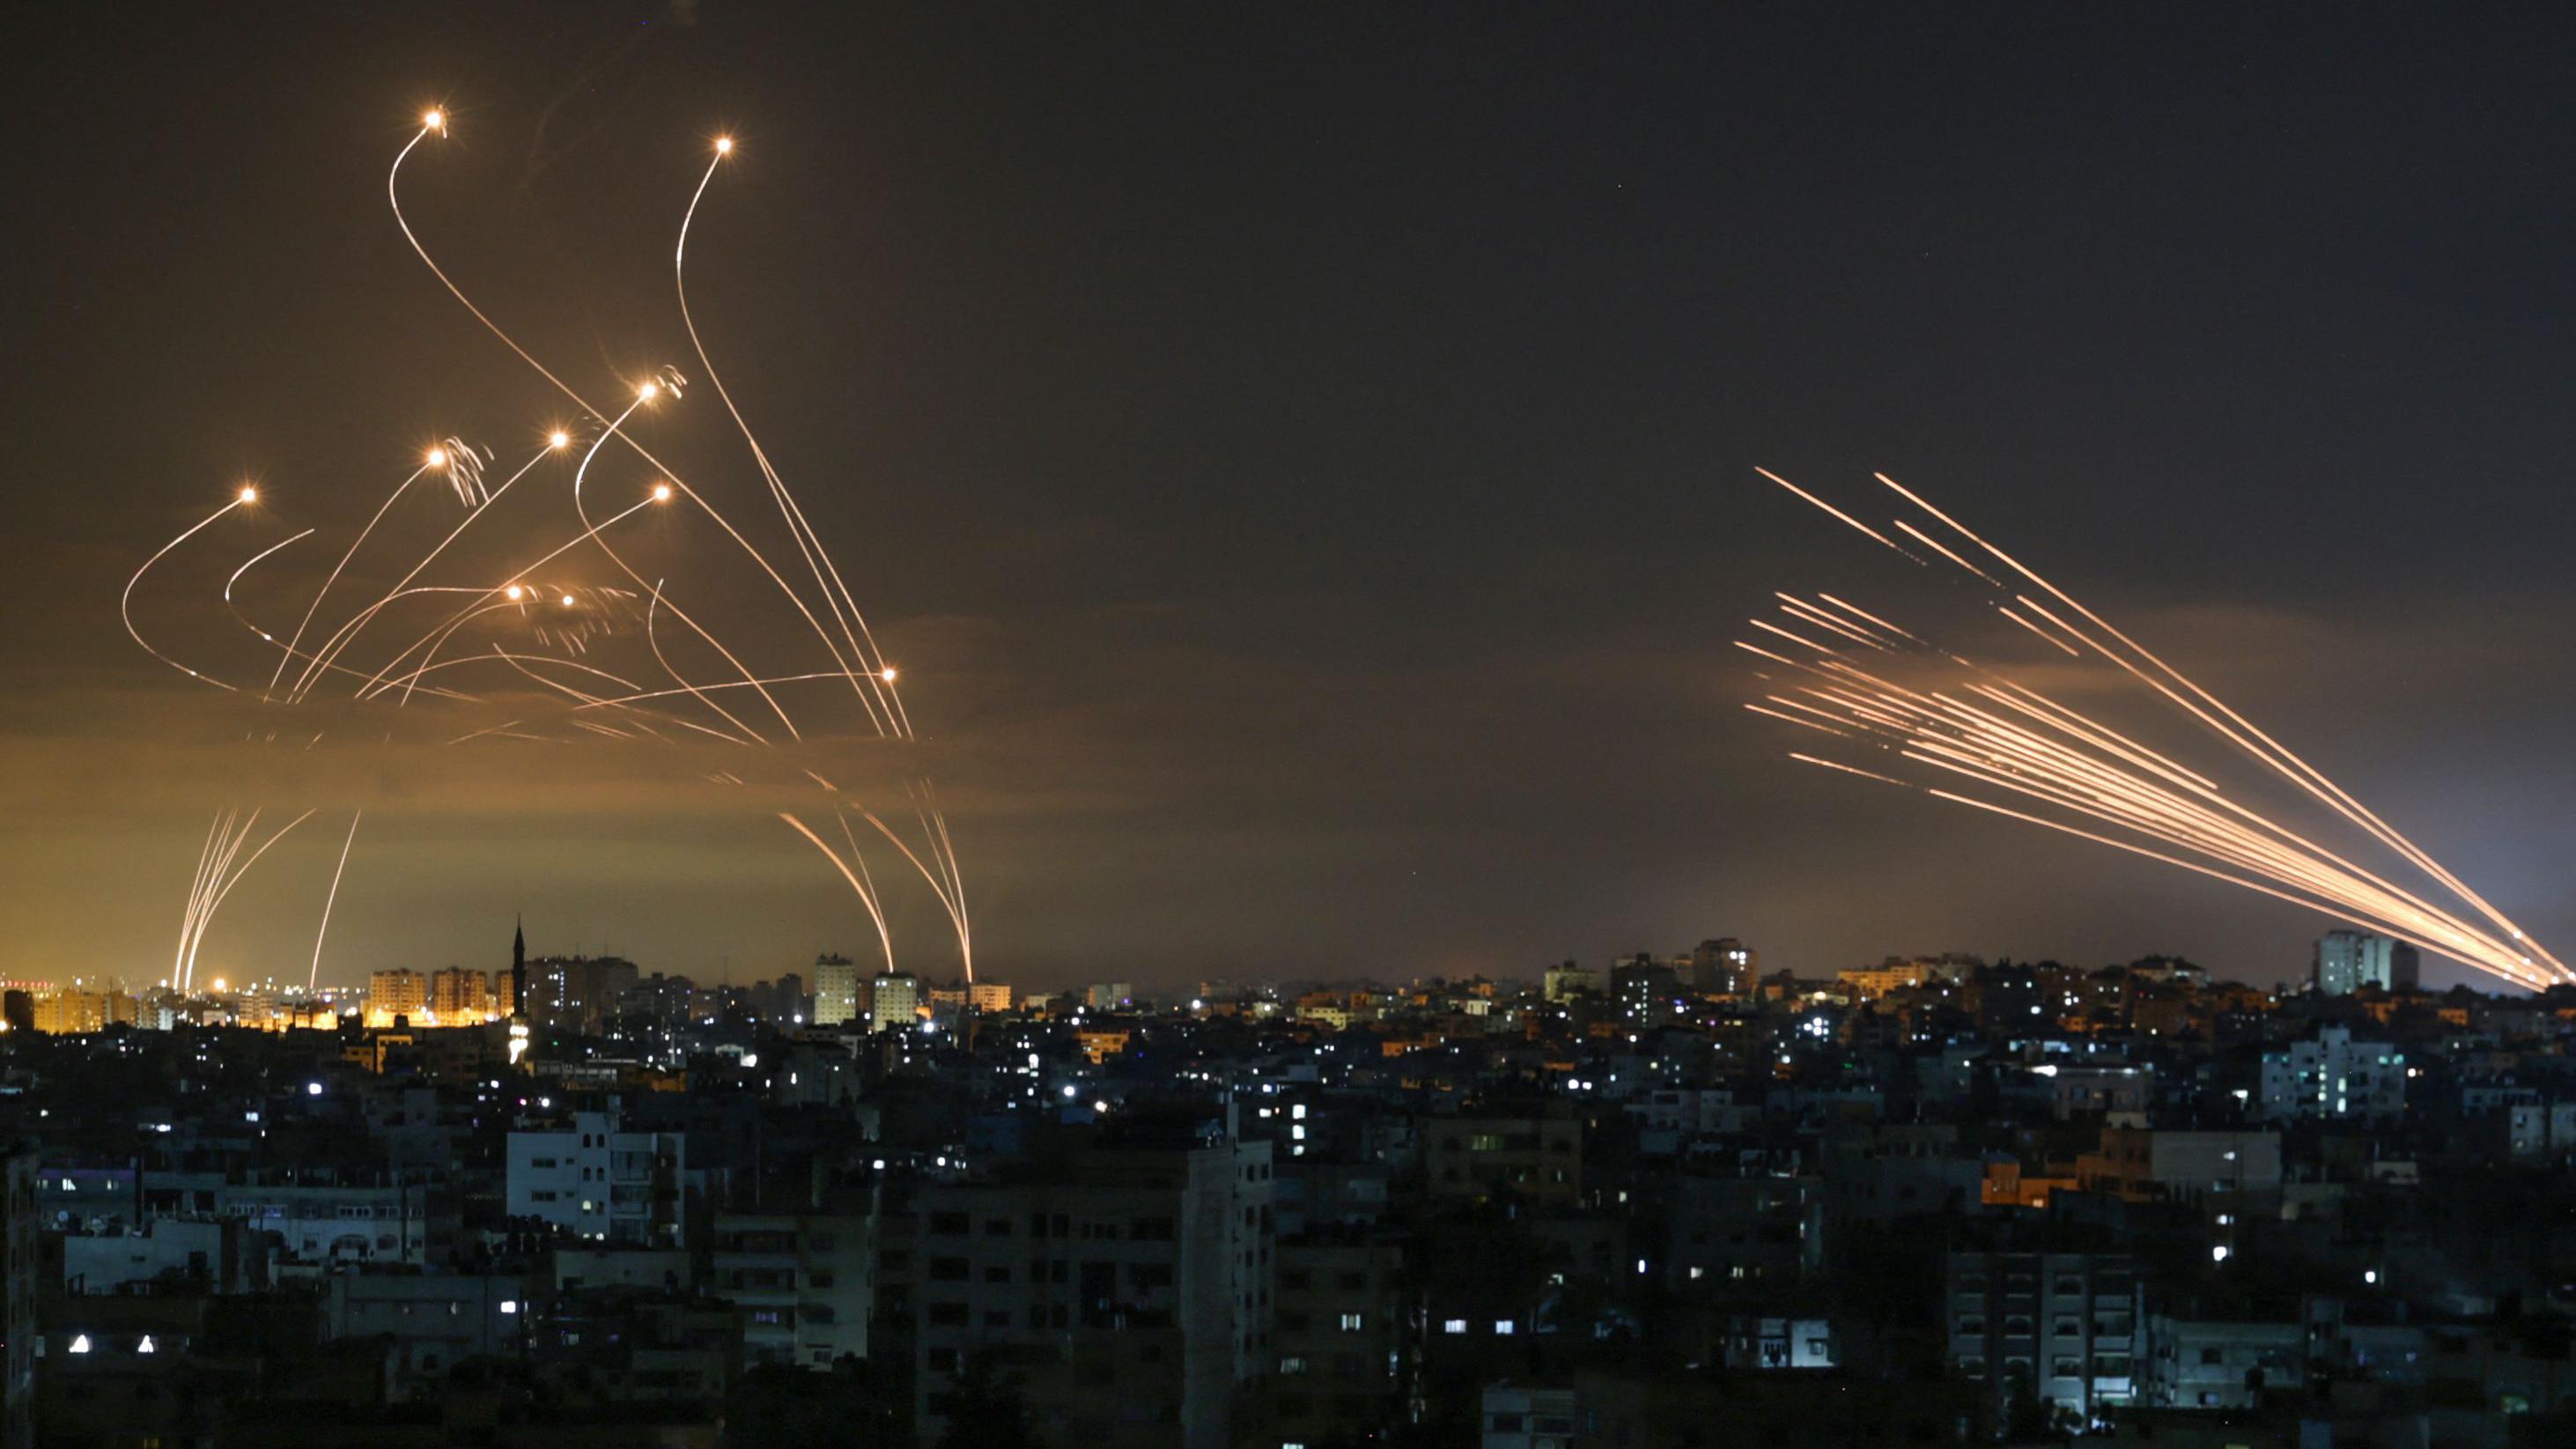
[1454, 1325]
[509, 1306]
[1503, 1326]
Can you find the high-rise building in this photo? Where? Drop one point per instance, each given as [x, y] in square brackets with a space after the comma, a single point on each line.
[1108, 995]
[599, 1181]
[1130, 1285]
[836, 990]
[894, 1001]
[459, 995]
[2347, 961]
[2063, 1327]
[577, 993]
[397, 993]
[988, 995]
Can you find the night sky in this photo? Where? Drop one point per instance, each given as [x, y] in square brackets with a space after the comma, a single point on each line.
[1300, 457]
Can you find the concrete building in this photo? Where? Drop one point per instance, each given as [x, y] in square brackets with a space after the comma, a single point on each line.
[342, 1218]
[219, 1255]
[2193, 1364]
[1128, 1285]
[2144, 1166]
[1568, 980]
[397, 994]
[2347, 961]
[430, 1321]
[2332, 1077]
[836, 990]
[596, 1180]
[459, 996]
[1736, 1234]
[2065, 1326]
[1340, 1336]
[805, 1279]
[1538, 1159]
[994, 996]
[577, 993]
[1770, 1344]
[895, 1000]
[1520, 1416]
[1724, 967]
[2540, 1131]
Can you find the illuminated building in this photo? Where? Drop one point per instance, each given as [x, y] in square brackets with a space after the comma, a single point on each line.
[1567, 980]
[894, 1001]
[598, 1181]
[2062, 1326]
[2347, 961]
[459, 995]
[2334, 1077]
[74, 1011]
[836, 990]
[988, 995]
[396, 994]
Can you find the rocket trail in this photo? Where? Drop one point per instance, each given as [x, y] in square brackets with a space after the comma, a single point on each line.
[313, 977]
[1997, 734]
[125, 602]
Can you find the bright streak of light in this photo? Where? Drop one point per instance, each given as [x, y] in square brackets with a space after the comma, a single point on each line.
[1999, 734]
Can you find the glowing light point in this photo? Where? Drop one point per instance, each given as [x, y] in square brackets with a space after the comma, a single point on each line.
[886, 674]
[248, 494]
[649, 391]
[558, 439]
[567, 601]
[724, 145]
[514, 591]
[433, 120]
[437, 457]
[661, 492]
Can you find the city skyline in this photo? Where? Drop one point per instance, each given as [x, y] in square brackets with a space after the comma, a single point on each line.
[1228, 654]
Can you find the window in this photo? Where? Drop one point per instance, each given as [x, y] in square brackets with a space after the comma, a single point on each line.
[1454, 1325]
[1354, 1322]
[948, 1225]
[1292, 1365]
[948, 1270]
[947, 1315]
[997, 1227]
[1503, 1326]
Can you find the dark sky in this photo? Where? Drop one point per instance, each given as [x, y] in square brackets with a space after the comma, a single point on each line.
[1300, 457]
